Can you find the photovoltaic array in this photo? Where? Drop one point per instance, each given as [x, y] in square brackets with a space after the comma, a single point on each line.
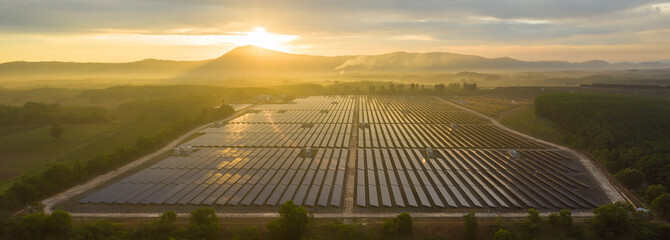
[255, 159]
[422, 152]
[410, 152]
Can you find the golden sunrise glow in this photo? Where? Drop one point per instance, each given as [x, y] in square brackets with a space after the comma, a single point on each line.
[260, 37]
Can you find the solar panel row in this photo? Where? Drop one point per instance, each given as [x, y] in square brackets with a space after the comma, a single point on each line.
[406, 117]
[314, 103]
[288, 135]
[440, 136]
[399, 104]
[296, 117]
[234, 176]
[468, 178]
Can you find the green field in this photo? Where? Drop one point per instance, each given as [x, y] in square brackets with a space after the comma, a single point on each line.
[32, 151]
[524, 120]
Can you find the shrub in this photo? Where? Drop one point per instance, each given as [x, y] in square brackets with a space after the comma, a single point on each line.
[661, 206]
[533, 216]
[470, 226]
[204, 224]
[400, 225]
[565, 217]
[503, 234]
[291, 224]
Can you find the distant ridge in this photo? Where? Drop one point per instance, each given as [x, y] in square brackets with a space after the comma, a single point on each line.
[247, 60]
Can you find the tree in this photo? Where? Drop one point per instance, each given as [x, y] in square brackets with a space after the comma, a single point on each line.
[630, 177]
[400, 225]
[58, 225]
[653, 191]
[470, 226]
[503, 234]
[56, 131]
[168, 217]
[532, 223]
[533, 216]
[612, 221]
[565, 217]
[59, 175]
[661, 206]
[291, 224]
[204, 224]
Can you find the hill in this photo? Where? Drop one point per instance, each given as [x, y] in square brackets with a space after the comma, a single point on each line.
[252, 61]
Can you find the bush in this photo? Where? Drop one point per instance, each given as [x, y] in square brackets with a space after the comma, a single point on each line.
[653, 191]
[470, 226]
[565, 217]
[400, 225]
[533, 216]
[204, 224]
[630, 177]
[612, 221]
[661, 206]
[503, 234]
[291, 224]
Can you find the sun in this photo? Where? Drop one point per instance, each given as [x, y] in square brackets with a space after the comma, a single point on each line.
[260, 37]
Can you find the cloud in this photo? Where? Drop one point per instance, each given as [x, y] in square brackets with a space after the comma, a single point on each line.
[325, 26]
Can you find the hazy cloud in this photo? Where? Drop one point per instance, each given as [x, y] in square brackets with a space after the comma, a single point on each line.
[350, 25]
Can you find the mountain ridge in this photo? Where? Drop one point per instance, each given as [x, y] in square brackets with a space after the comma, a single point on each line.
[251, 59]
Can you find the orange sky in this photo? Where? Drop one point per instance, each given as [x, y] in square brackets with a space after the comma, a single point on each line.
[125, 30]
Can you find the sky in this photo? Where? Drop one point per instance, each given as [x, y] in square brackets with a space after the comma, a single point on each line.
[131, 30]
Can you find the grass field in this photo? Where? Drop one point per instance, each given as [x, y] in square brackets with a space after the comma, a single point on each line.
[32, 151]
[525, 121]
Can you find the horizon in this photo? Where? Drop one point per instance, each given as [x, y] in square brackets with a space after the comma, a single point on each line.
[126, 31]
[256, 46]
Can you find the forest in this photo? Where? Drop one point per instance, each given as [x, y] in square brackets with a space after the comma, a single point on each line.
[629, 135]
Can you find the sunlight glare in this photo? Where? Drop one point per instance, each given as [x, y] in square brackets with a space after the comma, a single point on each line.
[261, 38]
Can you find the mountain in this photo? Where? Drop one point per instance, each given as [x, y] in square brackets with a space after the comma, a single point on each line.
[443, 62]
[252, 60]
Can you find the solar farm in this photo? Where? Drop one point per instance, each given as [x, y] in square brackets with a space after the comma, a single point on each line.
[395, 153]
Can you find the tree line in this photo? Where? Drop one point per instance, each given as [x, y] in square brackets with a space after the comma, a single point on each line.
[611, 221]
